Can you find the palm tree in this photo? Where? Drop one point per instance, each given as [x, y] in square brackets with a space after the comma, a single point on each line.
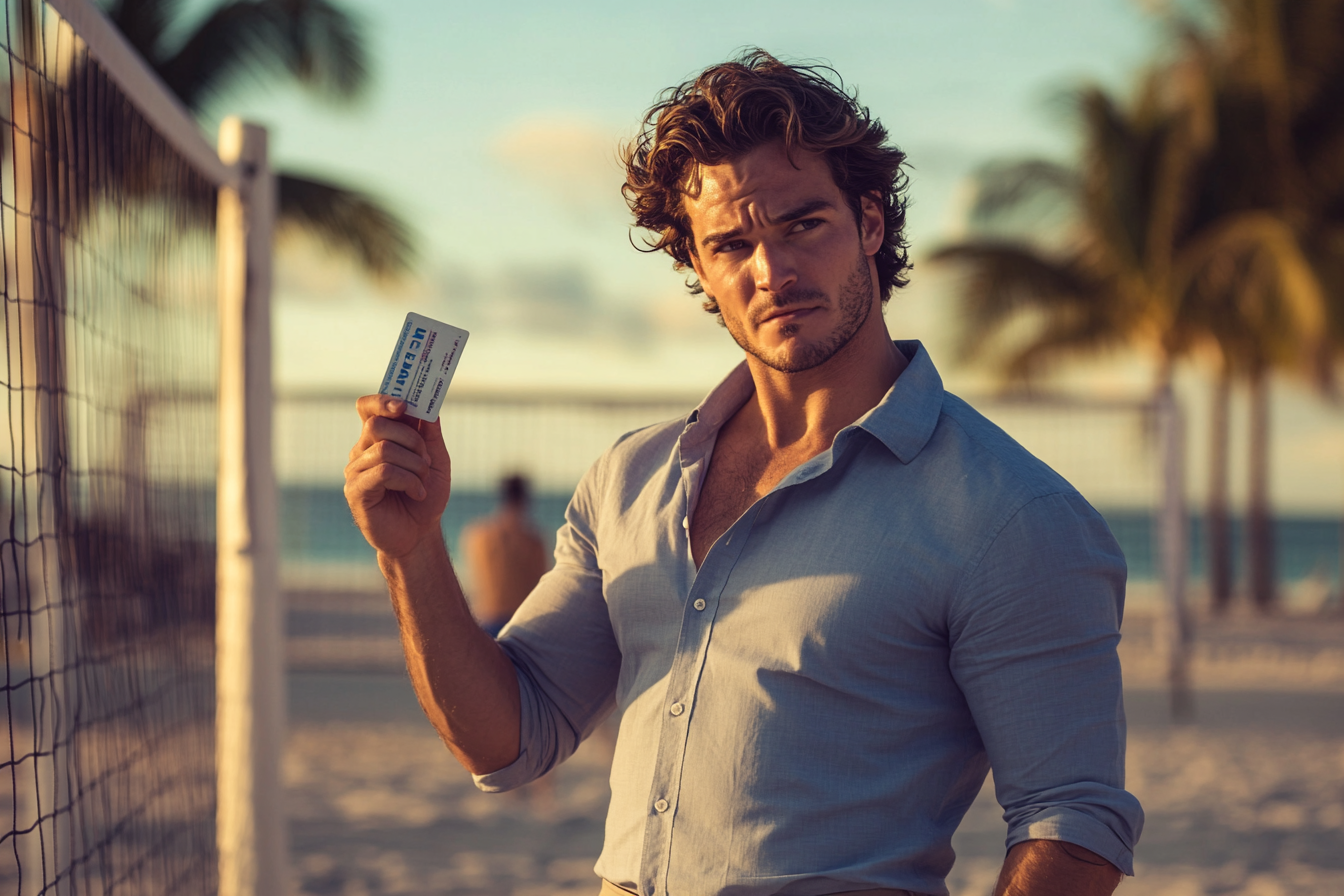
[1133, 264]
[1271, 82]
[1171, 245]
[1114, 274]
[312, 41]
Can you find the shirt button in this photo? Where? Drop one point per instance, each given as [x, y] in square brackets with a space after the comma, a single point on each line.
[699, 603]
[685, 522]
[661, 805]
[676, 709]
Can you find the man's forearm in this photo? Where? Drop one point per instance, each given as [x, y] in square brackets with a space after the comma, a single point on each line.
[1055, 868]
[464, 681]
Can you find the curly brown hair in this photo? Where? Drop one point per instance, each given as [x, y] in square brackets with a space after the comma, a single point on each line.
[733, 108]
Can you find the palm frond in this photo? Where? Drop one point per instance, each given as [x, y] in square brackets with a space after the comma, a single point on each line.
[143, 22]
[1061, 338]
[313, 41]
[1300, 305]
[1328, 261]
[1201, 208]
[1116, 190]
[1313, 32]
[1004, 281]
[1005, 186]
[348, 221]
[326, 50]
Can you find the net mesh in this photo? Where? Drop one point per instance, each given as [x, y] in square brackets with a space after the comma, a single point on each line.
[106, 483]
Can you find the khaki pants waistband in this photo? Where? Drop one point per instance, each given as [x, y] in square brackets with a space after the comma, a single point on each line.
[610, 889]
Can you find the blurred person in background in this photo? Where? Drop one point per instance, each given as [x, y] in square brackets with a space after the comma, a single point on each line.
[826, 601]
[506, 555]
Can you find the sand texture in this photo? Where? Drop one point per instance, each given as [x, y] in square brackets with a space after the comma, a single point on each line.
[1246, 800]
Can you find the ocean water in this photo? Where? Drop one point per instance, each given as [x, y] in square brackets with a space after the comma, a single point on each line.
[316, 529]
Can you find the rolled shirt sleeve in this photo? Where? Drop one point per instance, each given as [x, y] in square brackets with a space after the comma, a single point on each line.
[1033, 632]
[562, 646]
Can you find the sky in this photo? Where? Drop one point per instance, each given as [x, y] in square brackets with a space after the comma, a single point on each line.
[493, 129]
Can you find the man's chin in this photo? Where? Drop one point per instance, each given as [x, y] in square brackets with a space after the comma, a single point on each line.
[792, 356]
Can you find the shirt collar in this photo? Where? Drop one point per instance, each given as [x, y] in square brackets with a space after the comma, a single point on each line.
[722, 402]
[903, 420]
[906, 416]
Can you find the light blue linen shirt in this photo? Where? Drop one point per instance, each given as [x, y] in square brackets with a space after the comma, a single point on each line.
[814, 709]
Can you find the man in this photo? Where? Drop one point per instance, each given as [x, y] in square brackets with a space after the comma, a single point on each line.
[506, 556]
[827, 601]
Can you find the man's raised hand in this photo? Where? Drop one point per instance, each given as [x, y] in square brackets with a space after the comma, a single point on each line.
[398, 478]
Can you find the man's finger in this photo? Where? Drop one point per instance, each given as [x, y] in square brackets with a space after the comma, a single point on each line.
[386, 452]
[431, 435]
[369, 487]
[379, 406]
[401, 432]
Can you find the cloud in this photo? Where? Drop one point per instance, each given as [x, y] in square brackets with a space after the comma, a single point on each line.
[305, 270]
[526, 296]
[564, 300]
[571, 162]
[542, 298]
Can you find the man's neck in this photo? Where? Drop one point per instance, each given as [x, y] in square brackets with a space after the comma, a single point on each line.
[806, 409]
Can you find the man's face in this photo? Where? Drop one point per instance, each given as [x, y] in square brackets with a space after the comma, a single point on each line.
[778, 248]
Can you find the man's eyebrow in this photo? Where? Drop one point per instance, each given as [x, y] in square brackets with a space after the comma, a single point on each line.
[810, 207]
[723, 236]
[802, 211]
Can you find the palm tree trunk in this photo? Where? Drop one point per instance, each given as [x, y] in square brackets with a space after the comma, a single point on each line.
[1259, 525]
[1218, 535]
[1176, 631]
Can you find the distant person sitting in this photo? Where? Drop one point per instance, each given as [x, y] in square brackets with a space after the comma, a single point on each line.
[506, 555]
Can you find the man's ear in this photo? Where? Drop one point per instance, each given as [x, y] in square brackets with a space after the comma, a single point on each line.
[872, 223]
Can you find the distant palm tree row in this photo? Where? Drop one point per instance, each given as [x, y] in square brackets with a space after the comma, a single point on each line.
[1203, 219]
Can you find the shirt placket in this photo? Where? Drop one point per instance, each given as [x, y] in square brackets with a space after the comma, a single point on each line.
[698, 616]
[678, 712]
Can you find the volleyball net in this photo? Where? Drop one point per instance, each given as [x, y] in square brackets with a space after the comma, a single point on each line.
[107, 546]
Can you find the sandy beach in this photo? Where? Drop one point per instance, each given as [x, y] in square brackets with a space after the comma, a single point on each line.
[1246, 800]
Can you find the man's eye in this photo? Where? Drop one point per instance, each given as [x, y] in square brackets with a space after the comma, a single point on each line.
[729, 246]
[805, 224]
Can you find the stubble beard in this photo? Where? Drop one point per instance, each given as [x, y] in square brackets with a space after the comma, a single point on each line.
[855, 303]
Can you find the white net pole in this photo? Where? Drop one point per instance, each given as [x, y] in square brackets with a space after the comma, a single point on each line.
[249, 665]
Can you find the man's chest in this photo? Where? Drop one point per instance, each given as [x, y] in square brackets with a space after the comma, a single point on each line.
[739, 475]
[830, 575]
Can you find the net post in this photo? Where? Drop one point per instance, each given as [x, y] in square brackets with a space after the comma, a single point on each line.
[1177, 627]
[251, 832]
[42, 799]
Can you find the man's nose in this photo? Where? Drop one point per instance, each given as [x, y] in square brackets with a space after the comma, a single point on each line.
[773, 265]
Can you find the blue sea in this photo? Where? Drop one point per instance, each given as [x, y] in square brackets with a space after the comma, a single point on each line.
[316, 528]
